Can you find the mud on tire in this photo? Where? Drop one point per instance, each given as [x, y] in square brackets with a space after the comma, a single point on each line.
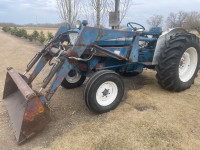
[178, 63]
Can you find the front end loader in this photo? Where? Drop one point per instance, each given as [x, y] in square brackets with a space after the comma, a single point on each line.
[102, 55]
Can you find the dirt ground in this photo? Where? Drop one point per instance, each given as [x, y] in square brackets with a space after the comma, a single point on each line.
[148, 118]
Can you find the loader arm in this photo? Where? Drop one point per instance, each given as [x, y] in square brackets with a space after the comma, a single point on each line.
[29, 111]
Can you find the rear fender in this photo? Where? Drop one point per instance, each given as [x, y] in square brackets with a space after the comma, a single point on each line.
[162, 41]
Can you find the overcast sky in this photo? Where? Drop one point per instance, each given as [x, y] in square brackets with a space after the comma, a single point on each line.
[45, 11]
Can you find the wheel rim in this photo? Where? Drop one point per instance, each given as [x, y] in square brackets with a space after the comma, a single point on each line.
[188, 64]
[106, 93]
[73, 76]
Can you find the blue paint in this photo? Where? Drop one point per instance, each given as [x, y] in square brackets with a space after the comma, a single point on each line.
[62, 73]
[134, 52]
[146, 55]
[31, 106]
[146, 39]
[156, 31]
[60, 31]
[40, 65]
[124, 43]
[43, 100]
[94, 62]
[89, 35]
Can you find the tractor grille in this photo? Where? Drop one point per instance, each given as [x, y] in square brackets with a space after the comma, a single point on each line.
[73, 36]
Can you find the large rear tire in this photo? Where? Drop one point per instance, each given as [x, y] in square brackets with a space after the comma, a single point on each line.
[178, 63]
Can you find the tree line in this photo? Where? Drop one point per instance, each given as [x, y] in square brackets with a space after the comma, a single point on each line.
[187, 20]
[44, 25]
[22, 33]
[97, 13]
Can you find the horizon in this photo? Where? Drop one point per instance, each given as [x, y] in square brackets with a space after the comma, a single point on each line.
[42, 12]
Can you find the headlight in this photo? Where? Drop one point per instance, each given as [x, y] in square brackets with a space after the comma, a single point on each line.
[78, 24]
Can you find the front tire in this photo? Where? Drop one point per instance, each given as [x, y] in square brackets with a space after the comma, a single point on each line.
[104, 91]
[73, 80]
[178, 63]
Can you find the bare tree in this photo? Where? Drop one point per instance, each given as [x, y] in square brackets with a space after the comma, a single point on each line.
[88, 13]
[193, 21]
[97, 11]
[176, 19]
[155, 21]
[99, 7]
[68, 10]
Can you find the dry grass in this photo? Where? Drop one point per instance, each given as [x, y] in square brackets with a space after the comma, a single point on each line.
[149, 118]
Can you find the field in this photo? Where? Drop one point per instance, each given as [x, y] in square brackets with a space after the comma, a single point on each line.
[45, 30]
[148, 118]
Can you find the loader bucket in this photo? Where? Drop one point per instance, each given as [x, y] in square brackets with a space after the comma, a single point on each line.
[27, 113]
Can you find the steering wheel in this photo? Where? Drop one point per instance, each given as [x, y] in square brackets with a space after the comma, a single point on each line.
[130, 24]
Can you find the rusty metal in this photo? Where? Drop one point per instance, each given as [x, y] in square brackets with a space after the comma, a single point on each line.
[27, 113]
[109, 52]
[13, 79]
[54, 70]
[29, 110]
[36, 117]
[33, 61]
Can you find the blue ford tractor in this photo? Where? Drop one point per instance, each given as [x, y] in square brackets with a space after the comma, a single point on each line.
[102, 55]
